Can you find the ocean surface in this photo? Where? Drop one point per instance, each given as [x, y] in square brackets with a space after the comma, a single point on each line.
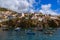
[22, 35]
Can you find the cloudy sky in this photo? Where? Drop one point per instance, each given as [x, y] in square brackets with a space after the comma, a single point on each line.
[44, 6]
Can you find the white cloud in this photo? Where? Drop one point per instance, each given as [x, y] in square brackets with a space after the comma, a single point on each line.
[46, 9]
[32, 11]
[31, 2]
[17, 5]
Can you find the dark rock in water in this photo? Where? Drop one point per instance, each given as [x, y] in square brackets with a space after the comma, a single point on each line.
[17, 30]
[40, 30]
[30, 33]
[5, 29]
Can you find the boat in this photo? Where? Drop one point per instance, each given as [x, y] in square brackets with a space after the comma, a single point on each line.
[17, 29]
[48, 32]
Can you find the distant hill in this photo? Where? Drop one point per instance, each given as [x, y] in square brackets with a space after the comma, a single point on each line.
[3, 9]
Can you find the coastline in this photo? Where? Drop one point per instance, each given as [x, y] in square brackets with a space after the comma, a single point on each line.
[12, 20]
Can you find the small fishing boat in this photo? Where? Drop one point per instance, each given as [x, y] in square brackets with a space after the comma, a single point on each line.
[17, 29]
[48, 32]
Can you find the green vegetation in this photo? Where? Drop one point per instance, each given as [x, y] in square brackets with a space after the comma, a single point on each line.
[3, 9]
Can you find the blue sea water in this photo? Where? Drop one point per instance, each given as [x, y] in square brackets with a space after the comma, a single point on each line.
[21, 35]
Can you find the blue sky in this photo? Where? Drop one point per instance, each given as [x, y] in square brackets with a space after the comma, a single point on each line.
[54, 4]
[44, 6]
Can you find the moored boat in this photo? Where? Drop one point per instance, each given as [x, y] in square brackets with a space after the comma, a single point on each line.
[17, 29]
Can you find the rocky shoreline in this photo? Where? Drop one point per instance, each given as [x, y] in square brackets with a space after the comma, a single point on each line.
[27, 22]
[11, 20]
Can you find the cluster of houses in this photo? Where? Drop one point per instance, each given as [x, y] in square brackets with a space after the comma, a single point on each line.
[37, 18]
[7, 14]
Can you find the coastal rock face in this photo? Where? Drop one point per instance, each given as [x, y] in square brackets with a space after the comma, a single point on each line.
[13, 19]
